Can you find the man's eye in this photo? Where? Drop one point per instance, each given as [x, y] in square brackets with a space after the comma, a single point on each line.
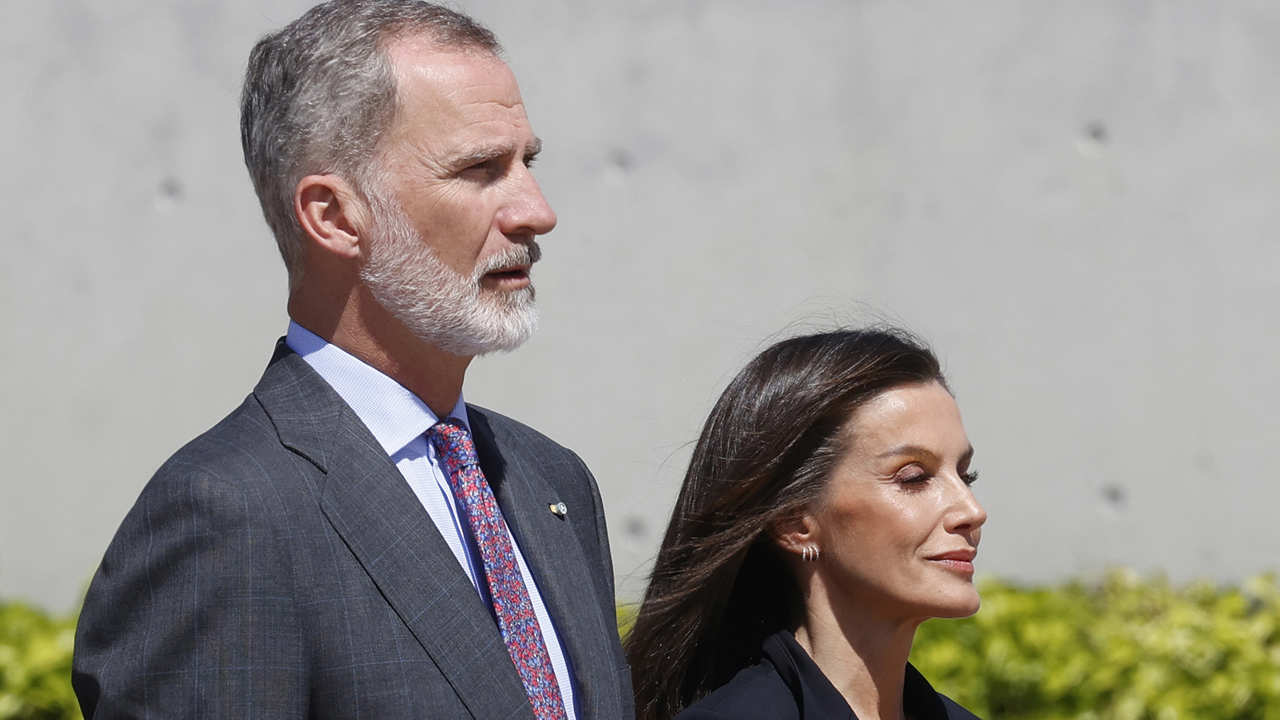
[486, 171]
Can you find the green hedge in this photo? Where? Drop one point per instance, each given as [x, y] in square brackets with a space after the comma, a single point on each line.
[35, 665]
[1126, 649]
[1123, 649]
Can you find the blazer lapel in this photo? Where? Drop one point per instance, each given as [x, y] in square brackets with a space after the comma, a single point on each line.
[374, 511]
[558, 565]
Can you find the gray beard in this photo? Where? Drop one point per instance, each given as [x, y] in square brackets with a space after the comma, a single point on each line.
[439, 306]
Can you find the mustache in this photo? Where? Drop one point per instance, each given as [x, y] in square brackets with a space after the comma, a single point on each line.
[523, 254]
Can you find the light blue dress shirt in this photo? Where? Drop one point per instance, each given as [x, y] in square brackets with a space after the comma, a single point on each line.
[398, 420]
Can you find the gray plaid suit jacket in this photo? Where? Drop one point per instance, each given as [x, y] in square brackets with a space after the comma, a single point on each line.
[279, 566]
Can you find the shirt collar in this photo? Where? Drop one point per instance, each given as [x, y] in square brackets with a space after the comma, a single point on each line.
[393, 414]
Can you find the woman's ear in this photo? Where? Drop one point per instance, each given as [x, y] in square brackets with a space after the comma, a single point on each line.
[331, 214]
[798, 536]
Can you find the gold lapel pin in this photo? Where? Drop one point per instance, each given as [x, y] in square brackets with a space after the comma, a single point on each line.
[558, 509]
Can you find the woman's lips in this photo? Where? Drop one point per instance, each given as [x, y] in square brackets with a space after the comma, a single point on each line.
[958, 561]
[963, 567]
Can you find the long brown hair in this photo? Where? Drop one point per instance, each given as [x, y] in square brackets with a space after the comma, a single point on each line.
[719, 585]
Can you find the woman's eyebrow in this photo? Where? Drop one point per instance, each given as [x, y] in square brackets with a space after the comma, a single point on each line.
[911, 449]
[907, 449]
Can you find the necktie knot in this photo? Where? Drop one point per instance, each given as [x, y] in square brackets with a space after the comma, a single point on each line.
[453, 443]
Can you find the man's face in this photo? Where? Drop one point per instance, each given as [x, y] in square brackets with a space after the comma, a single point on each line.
[456, 209]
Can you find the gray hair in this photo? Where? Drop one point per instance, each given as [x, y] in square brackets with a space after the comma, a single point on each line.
[319, 94]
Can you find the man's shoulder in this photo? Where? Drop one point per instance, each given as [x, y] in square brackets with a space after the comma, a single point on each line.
[241, 448]
[288, 404]
[507, 431]
[238, 433]
[234, 482]
[502, 441]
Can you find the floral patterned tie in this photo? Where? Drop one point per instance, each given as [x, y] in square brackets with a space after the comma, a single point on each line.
[511, 603]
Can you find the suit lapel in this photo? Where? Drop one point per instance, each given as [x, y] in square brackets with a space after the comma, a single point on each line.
[555, 558]
[374, 511]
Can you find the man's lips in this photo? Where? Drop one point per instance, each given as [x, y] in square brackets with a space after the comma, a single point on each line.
[510, 268]
[516, 272]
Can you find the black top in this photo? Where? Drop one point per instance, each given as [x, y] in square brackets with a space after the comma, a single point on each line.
[787, 685]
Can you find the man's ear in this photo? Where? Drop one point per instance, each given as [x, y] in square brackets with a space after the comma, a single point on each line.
[796, 535]
[331, 214]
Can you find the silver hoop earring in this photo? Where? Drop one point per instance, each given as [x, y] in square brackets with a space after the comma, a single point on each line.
[810, 553]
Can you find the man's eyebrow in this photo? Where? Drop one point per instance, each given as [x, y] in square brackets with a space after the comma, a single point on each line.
[478, 155]
[485, 153]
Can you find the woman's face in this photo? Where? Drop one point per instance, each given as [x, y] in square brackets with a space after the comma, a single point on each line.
[898, 525]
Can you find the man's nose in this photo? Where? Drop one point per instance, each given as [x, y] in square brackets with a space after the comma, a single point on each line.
[527, 211]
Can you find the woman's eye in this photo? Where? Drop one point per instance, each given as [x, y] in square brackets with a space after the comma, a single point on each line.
[969, 477]
[916, 478]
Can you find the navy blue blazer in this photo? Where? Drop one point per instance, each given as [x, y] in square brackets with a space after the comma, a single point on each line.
[787, 685]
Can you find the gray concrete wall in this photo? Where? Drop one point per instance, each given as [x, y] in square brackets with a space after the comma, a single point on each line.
[1074, 201]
